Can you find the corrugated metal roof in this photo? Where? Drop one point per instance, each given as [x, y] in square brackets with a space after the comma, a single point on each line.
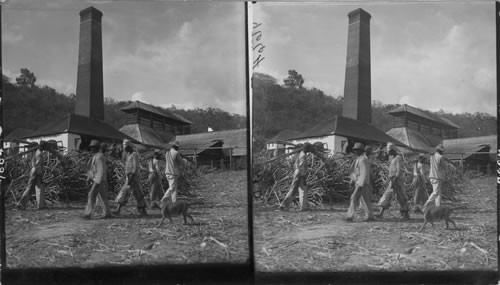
[190, 147]
[155, 110]
[424, 114]
[18, 134]
[349, 128]
[415, 139]
[147, 135]
[236, 139]
[489, 140]
[464, 151]
[76, 124]
[284, 135]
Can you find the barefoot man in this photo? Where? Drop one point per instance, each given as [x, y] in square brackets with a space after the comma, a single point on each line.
[361, 177]
[436, 176]
[395, 187]
[132, 182]
[98, 174]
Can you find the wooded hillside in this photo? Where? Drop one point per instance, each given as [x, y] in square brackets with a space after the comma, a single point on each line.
[31, 106]
[283, 106]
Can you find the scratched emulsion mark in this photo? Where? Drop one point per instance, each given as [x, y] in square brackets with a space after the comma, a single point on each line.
[257, 45]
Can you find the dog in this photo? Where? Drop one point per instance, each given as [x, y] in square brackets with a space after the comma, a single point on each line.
[441, 212]
[169, 209]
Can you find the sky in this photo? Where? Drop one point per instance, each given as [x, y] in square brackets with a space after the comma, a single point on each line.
[185, 54]
[429, 55]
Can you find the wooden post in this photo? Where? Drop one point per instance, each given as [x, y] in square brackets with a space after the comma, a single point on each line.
[195, 161]
[462, 162]
[231, 158]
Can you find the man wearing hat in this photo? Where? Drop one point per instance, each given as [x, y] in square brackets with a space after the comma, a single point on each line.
[361, 178]
[173, 163]
[395, 187]
[299, 180]
[420, 196]
[436, 176]
[132, 182]
[98, 174]
[35, 179]
[154, 178]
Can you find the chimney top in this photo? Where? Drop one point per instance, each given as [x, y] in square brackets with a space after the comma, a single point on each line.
[357, 14]
[90, 12]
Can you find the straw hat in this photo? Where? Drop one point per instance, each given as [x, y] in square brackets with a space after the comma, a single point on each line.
[176, 143]
[369, 150]
[358, 146]
[94, 143]
[440, 147]
[391, 146]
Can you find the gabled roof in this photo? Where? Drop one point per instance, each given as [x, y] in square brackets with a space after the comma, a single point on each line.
[349, 128]
[284, 135]
[423, 114]
[231, 138]
[471, 144]
[415, 139]
[152, 109]
[482, 140]
[192, 147]
[81, 125]
[457, 152]
[18, 134]
[147, 135]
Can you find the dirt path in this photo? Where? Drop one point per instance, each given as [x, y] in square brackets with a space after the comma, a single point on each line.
[320, 240]
[59, 237]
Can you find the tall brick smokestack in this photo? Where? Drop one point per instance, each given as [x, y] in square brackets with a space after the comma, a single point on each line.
[357, 89]
[89, 83]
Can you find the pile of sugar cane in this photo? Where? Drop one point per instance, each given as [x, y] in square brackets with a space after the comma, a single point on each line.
[66, 179]
[328, 180]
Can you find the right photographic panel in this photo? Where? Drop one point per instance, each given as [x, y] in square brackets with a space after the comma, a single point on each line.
[374, 137]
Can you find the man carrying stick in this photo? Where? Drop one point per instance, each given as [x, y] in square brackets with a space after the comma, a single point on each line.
[436, 176]
[361, 177]
[395, 187]
[98, 174]
[132, 182]
[35, 180]
[155, 180]
[299, 180]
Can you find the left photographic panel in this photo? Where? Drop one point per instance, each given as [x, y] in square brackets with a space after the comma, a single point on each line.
[125, 133]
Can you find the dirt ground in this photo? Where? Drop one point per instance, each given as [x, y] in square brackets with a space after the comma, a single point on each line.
[320, 240]
[59, 237]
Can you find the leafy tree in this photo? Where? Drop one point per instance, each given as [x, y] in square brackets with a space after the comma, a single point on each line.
[27, 78]
[294, 79]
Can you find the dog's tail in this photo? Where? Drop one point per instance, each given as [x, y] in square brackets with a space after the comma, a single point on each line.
[197, 201]
[458, 207]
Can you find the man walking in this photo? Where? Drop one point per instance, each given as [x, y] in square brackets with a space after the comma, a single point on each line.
[132, 182]
[155, 180]
[418, 183]
[174, 162]
[299, 180]
[436, 176]
[361, 177]
[395, 187]
[98, 174]
[35, 180]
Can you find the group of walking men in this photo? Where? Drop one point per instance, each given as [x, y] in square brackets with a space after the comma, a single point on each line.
[98, 176]
[361, 177]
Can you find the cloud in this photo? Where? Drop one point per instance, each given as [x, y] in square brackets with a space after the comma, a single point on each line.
[60, 86]
[199, 63]
[12, 37]
[454, 73]
[138, 96]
